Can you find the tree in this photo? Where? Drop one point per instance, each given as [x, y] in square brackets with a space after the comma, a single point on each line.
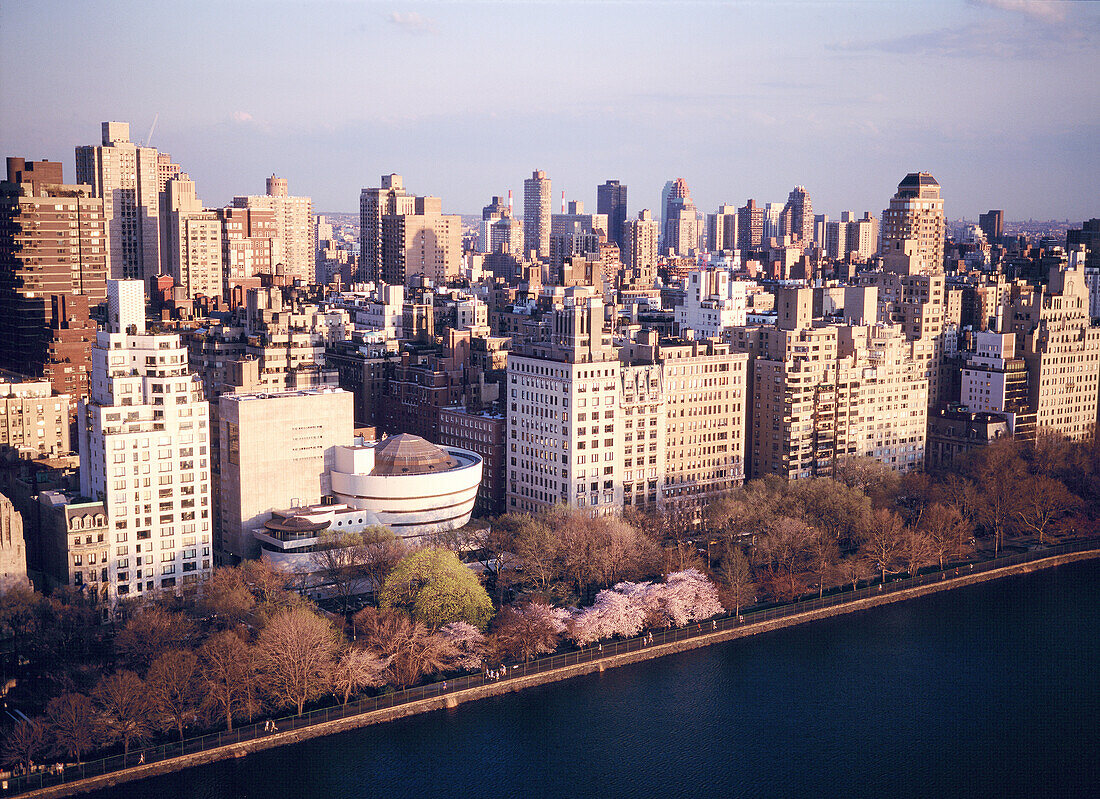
[874, 478]
[407, 645]
[124, 708]
[19, 617]
[736, 573]
[523, 631]
[25, 743]
[355, 670]
[783, 548]
[838, 510]
[684, 597]
[537, 549]
[339, 559]
[1042, 501]
[174, 683]
[269, 585]
[916, 550]
[226, 598]
[294, 652]
[73, 725]
[885, 537]
[998, 471]
[615, 612]
[853, 568]
[152, 632]
[824, 553]
[228, 671]
[437, 588]
[382, 551]
[467, 642]
[946, 530]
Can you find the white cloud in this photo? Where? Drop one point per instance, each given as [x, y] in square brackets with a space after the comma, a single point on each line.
[242, 116]
[412, 21]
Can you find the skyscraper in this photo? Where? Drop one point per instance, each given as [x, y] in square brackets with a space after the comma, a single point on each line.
[192, 240]
[145, 452]
[293, 247]
[681, 221]
[52, 271]
[722, 229]
[750, 226]
[421, 241]
[611, 200]
[992, 224]
[389, 198]
[797, 217]
[536, 214]
[127, 177]
[916, 214]
[639, 253]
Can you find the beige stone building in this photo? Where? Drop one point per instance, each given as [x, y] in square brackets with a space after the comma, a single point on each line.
[33, 420]
[824, 392]
[128, 177]
[276, 451]
[424, 241]
[192, 240]
[1061, 348]
[293, 246]
[13, 549]
[916, 215]
[639, 253]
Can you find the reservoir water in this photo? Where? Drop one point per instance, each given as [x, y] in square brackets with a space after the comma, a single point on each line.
[991, 690]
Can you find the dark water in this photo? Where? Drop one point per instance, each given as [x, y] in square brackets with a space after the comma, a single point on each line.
[992, 690]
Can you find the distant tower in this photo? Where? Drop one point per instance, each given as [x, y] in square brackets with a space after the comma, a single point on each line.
[797, 217]
[681, 220]
[992, 224]
[536, 214]
[916, 214]
[611, 200]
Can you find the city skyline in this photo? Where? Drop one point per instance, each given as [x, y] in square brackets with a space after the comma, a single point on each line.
[811, 98]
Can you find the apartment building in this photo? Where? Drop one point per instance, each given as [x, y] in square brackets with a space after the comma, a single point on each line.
[34, 420]
[292, 246]
[145, 453]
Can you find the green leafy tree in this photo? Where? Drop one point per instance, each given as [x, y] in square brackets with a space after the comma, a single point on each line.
[436, 588]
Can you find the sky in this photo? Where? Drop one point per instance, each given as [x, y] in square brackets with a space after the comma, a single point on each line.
[998, 99]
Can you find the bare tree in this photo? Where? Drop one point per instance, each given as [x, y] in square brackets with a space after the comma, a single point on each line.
[73, 724]
[916, 550]
[1042, 501]
[736, 573]
[412, 651]
[226, 599]
[783, 549]
[382, 551]
[25, 743]
[174, 683]
[946, 529]
[228, 672]
[853, 568]
[355, 670]
[339, 559]
[152, 632]
[536, 547]
[294, 652]
[998, 470]
[124, 708]
[824, 553]
[885, 537]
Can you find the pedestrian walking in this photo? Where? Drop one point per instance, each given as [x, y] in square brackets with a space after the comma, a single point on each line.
[444, 685]
[141, 760]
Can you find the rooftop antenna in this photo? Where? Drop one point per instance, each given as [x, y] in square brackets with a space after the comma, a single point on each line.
[149, 138]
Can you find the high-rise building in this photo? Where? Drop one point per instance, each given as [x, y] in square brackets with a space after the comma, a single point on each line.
[722, 229]
[536, 215]
[850, 236]
[994, 379]
[128, 178]
[611, 202]
[916, 214]
[421, 241]
[52, 272]
[681, 221]
[825, 392]
[563, 441]
[639, 253]
[992, 224]
[714, 303]
[750, 226]
[34, 420]
[192, 247]
[1061, 348]
[248, 247]
[292, 248]
[387, 200]
[797, 217]
[771, 222]
[145, 454]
